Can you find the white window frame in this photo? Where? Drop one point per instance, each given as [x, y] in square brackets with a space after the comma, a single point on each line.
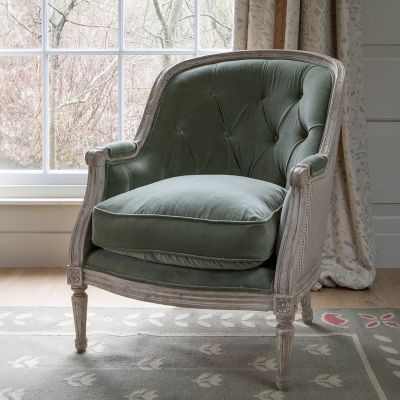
[71, 183]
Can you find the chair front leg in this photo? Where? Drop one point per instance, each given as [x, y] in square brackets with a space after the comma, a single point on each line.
[306, 309]
[79, 306]
[285, 314]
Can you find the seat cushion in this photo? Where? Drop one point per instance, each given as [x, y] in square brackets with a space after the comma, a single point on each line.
[259, 280]
[200, 221]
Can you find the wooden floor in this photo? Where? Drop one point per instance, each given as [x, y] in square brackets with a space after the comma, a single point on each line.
[48, 287]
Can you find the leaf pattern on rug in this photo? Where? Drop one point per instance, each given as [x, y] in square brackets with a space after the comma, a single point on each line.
[154, 319]
[389, 350]
[397, 373]
[11, 394]
[25, 361]
[225, 320]
[4, 315]
[128, 319]
[245, 320]
[264, 364]
[269, 395]
[202, 320]
[20, 319]
[179, 320]
[383, 338]
[150, 363]
[318, 350]
[211, 348]
[328, 381]
[143, 394]
[81, 379]
[208, 379]
[393, 361]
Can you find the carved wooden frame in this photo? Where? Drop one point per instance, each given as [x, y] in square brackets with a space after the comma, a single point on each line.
[297, 267]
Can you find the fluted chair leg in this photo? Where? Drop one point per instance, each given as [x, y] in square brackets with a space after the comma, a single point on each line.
[79, 306]
[284, 335]
[307, 311]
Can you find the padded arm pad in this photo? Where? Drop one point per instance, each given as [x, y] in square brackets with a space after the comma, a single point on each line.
[121, 149]
[317, 163]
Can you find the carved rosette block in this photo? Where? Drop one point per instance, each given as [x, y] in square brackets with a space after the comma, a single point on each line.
[283, 305]
[75, 276]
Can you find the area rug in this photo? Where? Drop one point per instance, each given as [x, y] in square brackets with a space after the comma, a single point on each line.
[174, 354]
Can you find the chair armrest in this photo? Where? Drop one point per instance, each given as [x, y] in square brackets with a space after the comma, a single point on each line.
[123, 149]
[303, 226]
[316, 163]
[97, 160]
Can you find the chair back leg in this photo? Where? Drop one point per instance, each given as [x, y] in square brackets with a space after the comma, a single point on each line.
[79, 306]
[306, 309]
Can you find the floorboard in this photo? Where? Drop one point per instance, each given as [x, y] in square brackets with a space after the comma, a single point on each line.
[47, 287]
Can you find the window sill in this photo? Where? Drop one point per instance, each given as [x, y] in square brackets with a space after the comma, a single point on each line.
[45, 193]
[41, 201]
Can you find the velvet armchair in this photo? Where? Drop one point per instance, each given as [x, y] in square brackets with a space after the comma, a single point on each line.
[222, 201]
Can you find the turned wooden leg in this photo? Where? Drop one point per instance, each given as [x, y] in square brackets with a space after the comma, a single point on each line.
[307, 311]
[79, 306]
[284, 335]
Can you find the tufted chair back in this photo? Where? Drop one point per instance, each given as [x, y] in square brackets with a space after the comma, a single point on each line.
[249, 117]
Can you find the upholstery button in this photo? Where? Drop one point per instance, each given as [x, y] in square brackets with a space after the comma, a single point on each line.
[227, 133]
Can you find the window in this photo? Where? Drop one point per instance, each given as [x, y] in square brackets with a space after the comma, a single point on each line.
[75, 74]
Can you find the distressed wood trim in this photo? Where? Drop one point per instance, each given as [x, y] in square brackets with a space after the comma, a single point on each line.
[284, 305]
[81, 236]
[74, 276]
[284, 345]
[225, 300]
[79, 307]
[81, 243]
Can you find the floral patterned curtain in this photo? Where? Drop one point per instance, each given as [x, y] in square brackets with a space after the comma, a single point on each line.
[330, 27]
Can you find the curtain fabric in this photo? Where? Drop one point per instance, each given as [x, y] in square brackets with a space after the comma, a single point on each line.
[331, 27]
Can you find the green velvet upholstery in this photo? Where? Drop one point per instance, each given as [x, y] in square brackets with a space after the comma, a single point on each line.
[258, 279]
[254, 118]
[121, 149]
[200, 221]
[317, 163]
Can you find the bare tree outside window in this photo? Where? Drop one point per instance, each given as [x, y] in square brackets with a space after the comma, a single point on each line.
[84, 59]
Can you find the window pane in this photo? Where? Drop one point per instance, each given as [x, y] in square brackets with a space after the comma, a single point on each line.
[216, 24]
[83, 107]
[21, 113]
[20, 23]
[140, 74]
[159, 24]
[91, 23]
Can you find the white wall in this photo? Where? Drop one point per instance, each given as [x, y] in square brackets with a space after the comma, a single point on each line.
[38, 234]
[381, 36]
[35, 234]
